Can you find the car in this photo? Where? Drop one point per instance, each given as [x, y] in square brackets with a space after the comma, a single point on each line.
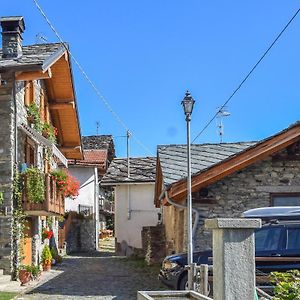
[277, 247]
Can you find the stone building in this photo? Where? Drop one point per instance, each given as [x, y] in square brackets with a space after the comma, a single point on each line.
[39, 130]
[227, 179]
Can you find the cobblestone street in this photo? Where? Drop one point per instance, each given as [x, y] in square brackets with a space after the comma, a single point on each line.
[99, 275]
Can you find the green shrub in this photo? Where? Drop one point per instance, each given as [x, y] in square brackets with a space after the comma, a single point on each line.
[287, 285]
[35, 185]
[46, 255]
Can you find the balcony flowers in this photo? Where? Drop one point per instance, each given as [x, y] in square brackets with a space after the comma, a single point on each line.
[50, 132]
[66, 183]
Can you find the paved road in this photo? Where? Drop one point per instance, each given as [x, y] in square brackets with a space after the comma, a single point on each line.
[100, 276]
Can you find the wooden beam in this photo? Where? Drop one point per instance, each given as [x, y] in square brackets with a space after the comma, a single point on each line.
[61, 106]
[69, 148]
[261, 151]
[34, 75]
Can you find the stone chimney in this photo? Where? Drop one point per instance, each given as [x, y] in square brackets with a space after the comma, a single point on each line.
[12, 29]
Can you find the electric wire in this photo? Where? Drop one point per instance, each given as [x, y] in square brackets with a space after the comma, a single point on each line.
[248, 75]
[96, 90]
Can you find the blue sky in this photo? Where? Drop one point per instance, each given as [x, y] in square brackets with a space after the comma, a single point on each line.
[143, 56]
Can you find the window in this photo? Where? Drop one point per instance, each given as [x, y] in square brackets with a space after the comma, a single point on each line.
[293, 238]
[30, 156]
[267, 239]
[285, 199]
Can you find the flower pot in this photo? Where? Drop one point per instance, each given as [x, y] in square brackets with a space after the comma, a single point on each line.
[46, 267]
[30, 119]
[24, 276]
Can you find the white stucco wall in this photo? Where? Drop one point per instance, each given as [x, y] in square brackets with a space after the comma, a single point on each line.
[86, 177]
[134, 208]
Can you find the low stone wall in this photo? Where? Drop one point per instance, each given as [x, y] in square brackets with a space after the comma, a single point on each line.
[81, 236]
[153, 241]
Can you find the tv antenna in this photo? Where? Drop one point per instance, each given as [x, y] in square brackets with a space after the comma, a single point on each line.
[97, 127]
[221, 113]
[40, 38]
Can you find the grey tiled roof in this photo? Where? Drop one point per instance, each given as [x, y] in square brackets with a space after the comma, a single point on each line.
[173, 158]
[40, 55]
[93, 142]
[142, 169]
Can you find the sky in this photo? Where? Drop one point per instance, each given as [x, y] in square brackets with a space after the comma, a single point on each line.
[142, 55]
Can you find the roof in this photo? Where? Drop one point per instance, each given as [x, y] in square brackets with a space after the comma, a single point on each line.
[51, 62]
[100, 142]
[142, 169]
[173, 158]
[38, 56]
[92, 158]
[228, 165]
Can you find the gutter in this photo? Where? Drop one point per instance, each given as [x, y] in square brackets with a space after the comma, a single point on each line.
[165, 194]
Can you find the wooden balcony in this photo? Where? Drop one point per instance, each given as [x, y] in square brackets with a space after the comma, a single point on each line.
[54, 203]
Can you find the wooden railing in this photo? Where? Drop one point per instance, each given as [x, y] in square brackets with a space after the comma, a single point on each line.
[53, 204]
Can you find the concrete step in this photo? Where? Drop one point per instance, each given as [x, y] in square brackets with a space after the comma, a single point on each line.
[4, 278]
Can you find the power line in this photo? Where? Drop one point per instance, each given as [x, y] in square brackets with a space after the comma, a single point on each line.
[248, 75]
[98, 93]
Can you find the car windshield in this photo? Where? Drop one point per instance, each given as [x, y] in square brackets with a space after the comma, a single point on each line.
[267, 239]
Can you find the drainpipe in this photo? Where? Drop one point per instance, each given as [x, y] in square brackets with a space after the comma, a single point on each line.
[96, 207]
[165, 193]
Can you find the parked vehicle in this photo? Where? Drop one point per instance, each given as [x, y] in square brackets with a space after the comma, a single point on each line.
[277, 247]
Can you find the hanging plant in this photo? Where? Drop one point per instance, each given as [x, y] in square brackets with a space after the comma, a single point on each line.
[35, 185]
[72, 188]
[34, 117]
[50, 132]
[60, 176]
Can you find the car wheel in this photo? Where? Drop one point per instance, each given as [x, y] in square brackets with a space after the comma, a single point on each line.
[183, 283]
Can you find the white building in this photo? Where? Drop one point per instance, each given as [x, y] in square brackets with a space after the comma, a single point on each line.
[134, 200]
[88, 171]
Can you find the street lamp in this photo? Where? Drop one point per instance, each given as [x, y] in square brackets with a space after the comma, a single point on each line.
[188, 104]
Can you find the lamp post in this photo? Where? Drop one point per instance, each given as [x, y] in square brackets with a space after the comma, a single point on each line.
[188, 104]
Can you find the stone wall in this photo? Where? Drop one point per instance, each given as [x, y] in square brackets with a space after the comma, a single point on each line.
[246, 189]
[6, 168]
[153, 241]
[81, 235]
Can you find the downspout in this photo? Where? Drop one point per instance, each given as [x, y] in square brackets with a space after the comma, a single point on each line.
[96, 208]
[184, 206]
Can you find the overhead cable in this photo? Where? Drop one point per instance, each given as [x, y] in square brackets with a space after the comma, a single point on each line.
[248, 75]
[96, 90]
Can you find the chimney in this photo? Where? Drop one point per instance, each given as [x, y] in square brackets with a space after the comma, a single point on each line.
[12, 29]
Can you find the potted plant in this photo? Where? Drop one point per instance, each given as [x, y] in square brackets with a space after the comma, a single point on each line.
[36, 272]
[33, 117]
[24, 274]
[49, 132]
[46, 258]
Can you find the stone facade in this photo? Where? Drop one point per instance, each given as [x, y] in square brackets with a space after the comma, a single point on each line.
[81, 235]
[153, 241]
[245, 189]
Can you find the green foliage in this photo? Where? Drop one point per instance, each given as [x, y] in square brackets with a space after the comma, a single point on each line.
[1, 198]
[7, 295]
[287, 285]
[55, 255]
[60, 176]
[46, 255]
[35, 271]
[35, 185]
[50, 132]
[18, 225]
[33, 111]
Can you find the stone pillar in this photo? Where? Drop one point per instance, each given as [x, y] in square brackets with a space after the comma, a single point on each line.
[233, 258]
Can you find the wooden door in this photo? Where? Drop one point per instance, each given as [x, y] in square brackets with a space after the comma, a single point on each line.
[26, 243]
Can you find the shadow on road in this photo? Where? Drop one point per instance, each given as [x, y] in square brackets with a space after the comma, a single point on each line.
[100, 275]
